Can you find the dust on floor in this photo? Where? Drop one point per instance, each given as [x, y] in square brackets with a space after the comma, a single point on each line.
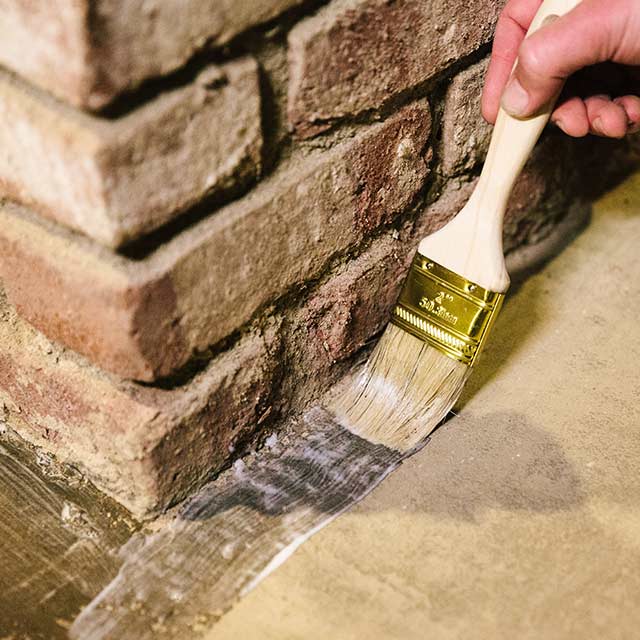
[59, 542]
[521, 519]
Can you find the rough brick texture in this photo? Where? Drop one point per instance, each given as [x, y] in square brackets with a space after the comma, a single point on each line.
[135, 240]
[115, 180]
[88, 51]
[340, 316]
[356, 55]
[146, 447]
[465, 134]
[143, 319]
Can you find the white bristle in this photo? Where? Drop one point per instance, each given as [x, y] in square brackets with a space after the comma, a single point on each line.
[405, 390]
[408, 386]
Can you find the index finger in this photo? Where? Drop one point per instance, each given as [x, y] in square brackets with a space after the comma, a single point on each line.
[513, 24]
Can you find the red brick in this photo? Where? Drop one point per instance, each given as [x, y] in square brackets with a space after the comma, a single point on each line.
[115, 180]
[146, 447]
[465, 134]
[341, 315]
[356, 55]
[354, 302]
[88, 51]
[143, 319]
[540, 198]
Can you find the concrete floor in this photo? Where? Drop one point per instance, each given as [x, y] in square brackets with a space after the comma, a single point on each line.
[521, 519]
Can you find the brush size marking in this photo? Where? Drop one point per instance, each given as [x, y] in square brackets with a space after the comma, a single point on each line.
[435, 306]
[444, 309]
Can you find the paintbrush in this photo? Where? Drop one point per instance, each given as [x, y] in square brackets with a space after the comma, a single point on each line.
[449, 302]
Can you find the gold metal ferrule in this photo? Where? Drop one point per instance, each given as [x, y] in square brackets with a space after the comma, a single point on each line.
[444, 309]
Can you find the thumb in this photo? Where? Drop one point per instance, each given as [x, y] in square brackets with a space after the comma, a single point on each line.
[584, 36]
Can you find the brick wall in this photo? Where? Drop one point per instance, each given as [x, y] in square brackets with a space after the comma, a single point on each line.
[208, 207]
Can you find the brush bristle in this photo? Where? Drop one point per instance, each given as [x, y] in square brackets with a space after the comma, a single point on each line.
[406, 389]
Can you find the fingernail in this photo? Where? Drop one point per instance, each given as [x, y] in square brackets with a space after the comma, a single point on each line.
[558, 122]
[515, 99]
[549, 19]
[597, 126]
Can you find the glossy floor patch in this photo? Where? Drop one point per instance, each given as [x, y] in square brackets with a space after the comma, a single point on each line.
[520, 519]
[59, 542]
[235, 532]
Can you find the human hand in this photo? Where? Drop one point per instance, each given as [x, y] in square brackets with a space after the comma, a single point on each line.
[599, 98]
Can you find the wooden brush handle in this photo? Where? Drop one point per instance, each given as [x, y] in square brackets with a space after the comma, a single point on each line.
[513, 139]
[471, 244]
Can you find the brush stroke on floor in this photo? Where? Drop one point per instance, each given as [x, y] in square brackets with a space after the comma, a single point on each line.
[521, 519]
[235, 531]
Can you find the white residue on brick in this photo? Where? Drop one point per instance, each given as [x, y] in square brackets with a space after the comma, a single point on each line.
[239, 468]
[271, 442]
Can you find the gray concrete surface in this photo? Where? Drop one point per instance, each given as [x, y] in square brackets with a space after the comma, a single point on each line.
[522, 518]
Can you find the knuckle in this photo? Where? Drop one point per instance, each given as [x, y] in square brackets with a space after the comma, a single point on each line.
[532, 58]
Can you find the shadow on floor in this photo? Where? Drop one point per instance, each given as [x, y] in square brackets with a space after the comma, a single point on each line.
[502, 461]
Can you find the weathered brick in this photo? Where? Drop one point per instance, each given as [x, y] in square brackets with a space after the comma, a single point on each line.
[356, 55]
[340, 316]
[354, 302]
[348, 309]
[540, 198]
[88, 51]
[144, 446]
[115, 180]
[465, 134]
[142, 319]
